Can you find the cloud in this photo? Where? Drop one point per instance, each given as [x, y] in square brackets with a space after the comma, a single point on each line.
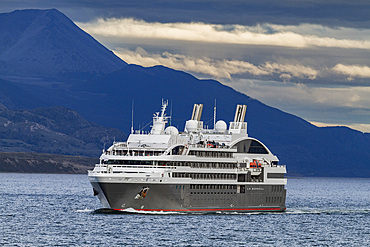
[204, 65]
[295, 70]
[225, 68]
[346, 106]
[216, 68]
[352, 71]
[296, 95]
[365, 128]
[285, 77]
[340, 33]
[268, 35]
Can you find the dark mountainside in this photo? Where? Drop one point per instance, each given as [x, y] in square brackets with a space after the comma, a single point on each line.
[105, 96]
[56, 130]
[45, 43]
[45, 163]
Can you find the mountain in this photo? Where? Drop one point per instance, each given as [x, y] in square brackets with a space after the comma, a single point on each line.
[39, 43]
[107, 97]
[56, 130]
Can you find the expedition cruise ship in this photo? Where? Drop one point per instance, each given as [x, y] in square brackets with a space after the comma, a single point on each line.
[198, 170]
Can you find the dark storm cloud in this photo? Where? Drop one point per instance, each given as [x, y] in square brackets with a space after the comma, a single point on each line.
[245, 12]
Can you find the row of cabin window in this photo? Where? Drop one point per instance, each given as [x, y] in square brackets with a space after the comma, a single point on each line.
[275, 175]
[172, 163]
[200, 164]
[133, 153]
[277, 188]
[204, 175]
[212, 187]
[129, 162]
[211, 154]
[274, 199]
[212, 192]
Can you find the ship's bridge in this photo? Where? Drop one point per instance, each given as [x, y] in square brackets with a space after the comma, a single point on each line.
[148, 141]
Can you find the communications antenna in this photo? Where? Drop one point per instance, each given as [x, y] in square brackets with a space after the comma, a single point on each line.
[214, 116]
[132, 117]
[171, 112]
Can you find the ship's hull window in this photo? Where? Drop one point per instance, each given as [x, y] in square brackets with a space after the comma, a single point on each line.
[275, 175]
[241, 177]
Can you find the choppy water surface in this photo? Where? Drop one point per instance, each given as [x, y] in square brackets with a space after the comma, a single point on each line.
[58, 210]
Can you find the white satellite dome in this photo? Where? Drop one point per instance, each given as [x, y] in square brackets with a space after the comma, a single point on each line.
[171, 130]
[191, 125]
[221, 126]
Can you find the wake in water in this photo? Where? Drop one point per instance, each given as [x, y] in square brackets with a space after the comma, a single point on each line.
[86, 210]
[327, 211]
[298, 211]
[133, 211]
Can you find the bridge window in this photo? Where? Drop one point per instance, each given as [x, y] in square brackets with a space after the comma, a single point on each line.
[250, 146]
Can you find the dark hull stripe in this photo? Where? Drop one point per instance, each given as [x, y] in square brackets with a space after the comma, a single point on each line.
[210, 209]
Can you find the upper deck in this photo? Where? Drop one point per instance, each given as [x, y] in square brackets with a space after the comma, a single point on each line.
[220, 144]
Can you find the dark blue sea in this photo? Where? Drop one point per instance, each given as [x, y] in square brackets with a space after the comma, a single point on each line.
[59, 210]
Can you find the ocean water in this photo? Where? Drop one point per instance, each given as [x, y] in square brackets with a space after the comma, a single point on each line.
[59, 210]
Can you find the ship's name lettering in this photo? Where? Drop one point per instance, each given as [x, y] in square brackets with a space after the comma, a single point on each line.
[255, 189]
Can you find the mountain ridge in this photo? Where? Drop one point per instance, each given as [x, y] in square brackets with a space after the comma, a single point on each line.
[50, 45]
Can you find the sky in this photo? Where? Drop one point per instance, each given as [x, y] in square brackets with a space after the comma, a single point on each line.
[309, 58]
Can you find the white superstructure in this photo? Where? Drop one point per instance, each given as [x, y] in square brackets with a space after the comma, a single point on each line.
[191, 170]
